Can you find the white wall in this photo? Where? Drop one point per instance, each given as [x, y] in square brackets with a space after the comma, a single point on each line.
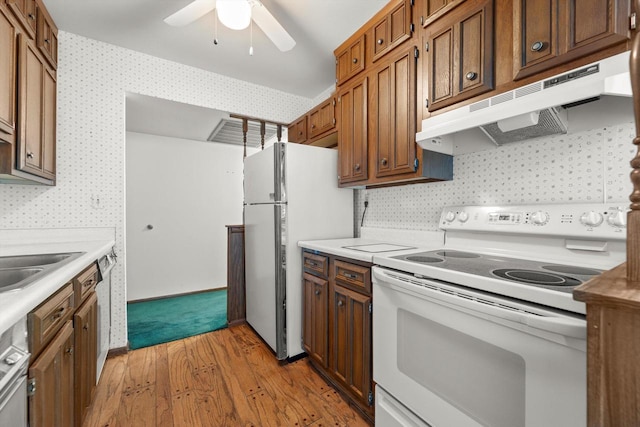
[582, 167]
[93, 78]
[186, 250]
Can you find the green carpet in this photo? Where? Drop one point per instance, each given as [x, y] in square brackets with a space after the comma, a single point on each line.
[169, 319]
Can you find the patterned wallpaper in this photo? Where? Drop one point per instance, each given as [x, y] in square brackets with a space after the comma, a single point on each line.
[585, 167]
[93, 78]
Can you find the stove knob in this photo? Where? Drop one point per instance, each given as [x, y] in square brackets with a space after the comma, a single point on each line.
[539, 218]
[463, 216]
[591, 219]
[450, 216]
[618, 219]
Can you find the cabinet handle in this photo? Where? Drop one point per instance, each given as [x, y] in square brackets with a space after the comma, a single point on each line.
[85, 327]
[58, 314]
[317, 292]
[340, 303]
[32, 16]
[537, 46]
[380, 41]
[384, 162]
[350, 276]
[312, 263]
[47, 41]
[69, 350]
[313, 126]
[89, 283]
[357, 167]
[471, 75]
[29, 155]
[354, 60]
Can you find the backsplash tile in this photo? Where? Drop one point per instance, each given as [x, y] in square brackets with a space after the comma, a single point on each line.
[585, 167]
[93, 78]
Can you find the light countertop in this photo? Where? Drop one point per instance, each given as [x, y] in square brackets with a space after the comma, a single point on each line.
[16, 304]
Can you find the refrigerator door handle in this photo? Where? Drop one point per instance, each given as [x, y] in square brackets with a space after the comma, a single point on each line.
[281, 282]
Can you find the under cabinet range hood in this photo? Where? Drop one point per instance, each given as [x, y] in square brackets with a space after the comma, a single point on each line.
[537, 109]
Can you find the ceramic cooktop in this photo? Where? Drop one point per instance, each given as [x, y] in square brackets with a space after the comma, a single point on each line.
[378, 247]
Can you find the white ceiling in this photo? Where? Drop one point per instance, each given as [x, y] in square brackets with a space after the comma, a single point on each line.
[318, 26]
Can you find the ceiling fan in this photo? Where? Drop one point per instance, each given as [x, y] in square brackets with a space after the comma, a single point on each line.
[236, 14]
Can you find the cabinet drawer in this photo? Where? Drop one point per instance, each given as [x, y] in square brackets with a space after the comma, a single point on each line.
[353, 276]
[315, 264]
[85, 282]
[47, 319]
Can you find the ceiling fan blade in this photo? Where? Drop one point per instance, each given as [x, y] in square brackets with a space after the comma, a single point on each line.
[272, 28]
[191, 12]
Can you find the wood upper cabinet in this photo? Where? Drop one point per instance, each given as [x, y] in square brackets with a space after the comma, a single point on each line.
[460, 62]
[315, 322]
[47, 37]
[25, 12]
[85, 322]
[350, 60]
[352, 134]
[393, 113]
[351, 342]
[37, 110]
[393, 29]
[297, 131]
[8, 58]
[548, 33]
[52, 378]
[322, 118]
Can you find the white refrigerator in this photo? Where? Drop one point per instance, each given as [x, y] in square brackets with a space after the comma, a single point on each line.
[290, 193]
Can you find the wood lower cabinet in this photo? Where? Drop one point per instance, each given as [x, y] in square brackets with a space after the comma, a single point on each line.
[337, 320]
[51, 382]
[353, 147]
[315, 326]
[85, 322]
[459, 61]
[548, 33]
[350, 350]
[236, 289]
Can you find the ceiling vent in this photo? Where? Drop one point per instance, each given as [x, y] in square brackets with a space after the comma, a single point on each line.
[550, 121]
[229, 131]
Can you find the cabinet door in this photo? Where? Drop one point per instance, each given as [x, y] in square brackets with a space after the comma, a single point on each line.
[394, 114]
[291, 133]
[350, 61]
[51, 404]
[25, 12]
[301, 130]
[49, 124]
[352, 135]
[8, 57]
[47, 38]
[460, 58]
[548, 33]
[315, 335]
[85, 321]
[392, 30]
[351, 341]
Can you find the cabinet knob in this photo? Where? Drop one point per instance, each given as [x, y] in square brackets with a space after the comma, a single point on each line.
[354, 60]
[69, 350]
[340, 303]
[357, 167]
[384, 162]
[317, 292]
[380, 41]
[32, 16]
[537, 46]
[471, 75]
[47, 41]
[313, 126]
[29, 155]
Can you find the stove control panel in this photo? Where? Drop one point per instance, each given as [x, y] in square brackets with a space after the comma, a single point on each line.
[602, 221]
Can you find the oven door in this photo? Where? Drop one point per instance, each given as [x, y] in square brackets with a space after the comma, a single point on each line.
[460, 357]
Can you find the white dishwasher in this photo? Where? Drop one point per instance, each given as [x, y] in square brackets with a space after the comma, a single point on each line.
[103, 292]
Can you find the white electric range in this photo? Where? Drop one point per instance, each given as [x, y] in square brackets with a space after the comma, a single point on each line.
[478, 331]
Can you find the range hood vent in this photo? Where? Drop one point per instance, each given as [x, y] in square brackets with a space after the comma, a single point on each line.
[547, 122]
[543, 99]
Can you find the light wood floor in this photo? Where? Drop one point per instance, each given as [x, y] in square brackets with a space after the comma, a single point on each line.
[224, 378]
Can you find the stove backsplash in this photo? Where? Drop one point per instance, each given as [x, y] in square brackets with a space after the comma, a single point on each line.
[585, 167]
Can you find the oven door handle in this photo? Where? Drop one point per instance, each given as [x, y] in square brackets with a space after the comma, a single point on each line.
[566, 326]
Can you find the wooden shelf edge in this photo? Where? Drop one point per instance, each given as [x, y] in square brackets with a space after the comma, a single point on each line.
[611, 288]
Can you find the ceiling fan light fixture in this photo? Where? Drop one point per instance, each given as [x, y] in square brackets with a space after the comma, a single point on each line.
[234, 14]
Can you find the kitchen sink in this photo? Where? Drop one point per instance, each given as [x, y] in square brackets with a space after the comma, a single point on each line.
[16, 272]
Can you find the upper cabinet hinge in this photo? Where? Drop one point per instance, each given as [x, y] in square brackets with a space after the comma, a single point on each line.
[370, 308]
[370, 398]
[334, 102]
[31, 387]
[412, 27]
[334, 120]
[416, 52]
[422, 20]
[416, 163]
[632, 21]
[336, 61]
[413, 2]
[426, 46]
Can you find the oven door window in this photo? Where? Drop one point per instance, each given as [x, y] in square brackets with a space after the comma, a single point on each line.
[480, 379]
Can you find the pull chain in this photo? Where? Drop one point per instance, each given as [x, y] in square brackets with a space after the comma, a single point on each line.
[251, 38]
[215, 28]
